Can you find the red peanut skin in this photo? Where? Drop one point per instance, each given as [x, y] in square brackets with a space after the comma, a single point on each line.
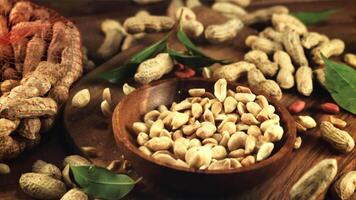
[296, 107]
[187, 73]
[330, 108]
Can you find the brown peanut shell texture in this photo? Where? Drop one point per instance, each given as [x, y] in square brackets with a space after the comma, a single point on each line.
[5, 7]
[24, 103]
[35, 50]
[5, 49]
[71, 62]
[57, 43]
[10, 147]
[294, 48]
[21, 12]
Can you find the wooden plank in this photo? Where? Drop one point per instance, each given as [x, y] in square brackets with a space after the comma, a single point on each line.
[313, 148]
[54, 147]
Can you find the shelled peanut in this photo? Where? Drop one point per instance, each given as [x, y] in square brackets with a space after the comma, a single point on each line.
[230, 130]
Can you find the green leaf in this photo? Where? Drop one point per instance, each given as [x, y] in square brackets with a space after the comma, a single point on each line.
[193, 61]
[341, 84]
[101, 183]
[184, 39]
[309, 18]
[117, 74]
[129, 68]
[194, 50]
[150, 51]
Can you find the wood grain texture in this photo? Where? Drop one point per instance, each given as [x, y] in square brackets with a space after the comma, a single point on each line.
[88, 16]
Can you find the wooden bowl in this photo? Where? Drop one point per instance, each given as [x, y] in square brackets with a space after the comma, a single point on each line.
[132, 108]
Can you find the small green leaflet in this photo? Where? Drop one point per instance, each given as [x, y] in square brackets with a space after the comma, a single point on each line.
[184, 39]
[117, 74]
[101, 183]
[129, 68]
[194, 50]
[150, 51]
[193, 61]
[309, 18]
[341, 84]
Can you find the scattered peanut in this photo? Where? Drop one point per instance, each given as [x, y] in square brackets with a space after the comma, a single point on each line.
[90, 151]
[107, 95]
[339, 139]
[350, 59]
[296, 107]
[206, 72]
[223, 32]
[304, 79]
[315, 181]
[272, 34]
[148, 23]
[154, 68]
[330, 108]
[234, 71]
[263, 44]
[74, 194]
[285, 78]
[4, 168]
[292, 44]
[42, 186]
[334, 47]
[131, 40]
[260, 59]
[81, 98]
[264, 14]
[106, 108]
[262, 86]
[285, 21]
[306, 121]
[337, 122]
[190, 25]
[229, 10]
[46, 168]
[312, 39]
[320, 76]
[345, 186]
[75, 160]
[193, 3]
[243, 3]
[297, 143]
[114, 34]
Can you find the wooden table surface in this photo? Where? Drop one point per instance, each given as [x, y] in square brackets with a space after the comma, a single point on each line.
[88, 14]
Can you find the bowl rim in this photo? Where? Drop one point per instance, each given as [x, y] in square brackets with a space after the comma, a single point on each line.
[285, 149]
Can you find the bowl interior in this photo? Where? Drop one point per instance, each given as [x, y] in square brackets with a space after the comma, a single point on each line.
[133, 107]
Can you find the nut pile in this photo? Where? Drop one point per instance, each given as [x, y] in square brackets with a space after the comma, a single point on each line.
[47, 181]
[227, 130]
[38, 66]
[280, 52]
